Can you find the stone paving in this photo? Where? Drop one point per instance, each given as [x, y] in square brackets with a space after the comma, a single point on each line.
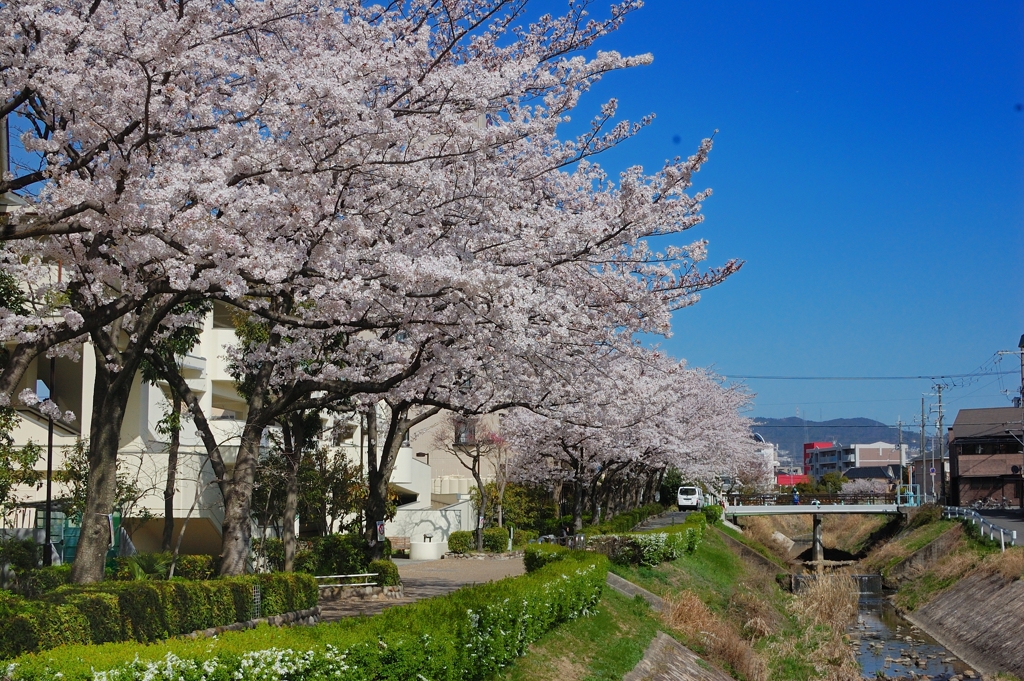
[425, 579]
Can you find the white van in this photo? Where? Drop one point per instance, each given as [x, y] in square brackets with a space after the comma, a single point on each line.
[690, 497]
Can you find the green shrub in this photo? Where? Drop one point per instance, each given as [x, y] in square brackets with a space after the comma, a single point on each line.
[19, 554]
[344, 554]
[537, 556]
[387, 572]
[523, 537]
[45, 579]
[197, 567]
[625, 522]
[142, 566]
[655, 546]
[305, 561]
[468, 635]
[273, 551]
[145, 610]
[712, 513]
[461, 542]
[496, 539]
[928, 513]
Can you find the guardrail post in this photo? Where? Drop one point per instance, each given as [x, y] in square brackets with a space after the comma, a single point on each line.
[1002, 541]
[1013, 537]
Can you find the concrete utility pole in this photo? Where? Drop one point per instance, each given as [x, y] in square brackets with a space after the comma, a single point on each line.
[924, 461]
[941, 444]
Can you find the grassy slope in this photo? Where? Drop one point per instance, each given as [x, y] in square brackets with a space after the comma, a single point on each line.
[602, 647]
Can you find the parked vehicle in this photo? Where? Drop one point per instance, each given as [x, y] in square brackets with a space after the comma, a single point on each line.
[690, 497]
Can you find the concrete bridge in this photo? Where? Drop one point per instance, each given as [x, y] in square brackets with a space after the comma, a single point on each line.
[816, 511]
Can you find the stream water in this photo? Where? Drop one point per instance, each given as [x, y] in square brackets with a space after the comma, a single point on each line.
[890, 647]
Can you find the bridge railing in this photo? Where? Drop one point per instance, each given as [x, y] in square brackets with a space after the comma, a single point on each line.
[781, 499]
[977, 519]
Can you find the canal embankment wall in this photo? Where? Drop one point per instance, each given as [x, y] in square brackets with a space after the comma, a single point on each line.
[981, 620]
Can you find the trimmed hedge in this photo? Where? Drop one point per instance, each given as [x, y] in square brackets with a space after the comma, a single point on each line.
[465, 636]
[625, 522]
[496, 539]
[712, 513]
[461, 542]
[387, 572]
[653, 546]
[143, 610]
[537, 556]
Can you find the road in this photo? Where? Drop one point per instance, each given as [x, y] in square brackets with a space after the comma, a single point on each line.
[1011, 519]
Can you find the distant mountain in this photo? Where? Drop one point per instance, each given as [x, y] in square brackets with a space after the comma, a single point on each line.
[791, 433]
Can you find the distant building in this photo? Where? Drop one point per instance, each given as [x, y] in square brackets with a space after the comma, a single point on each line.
[821, 458]
[789, 479]
[768, 451]
[985, 456]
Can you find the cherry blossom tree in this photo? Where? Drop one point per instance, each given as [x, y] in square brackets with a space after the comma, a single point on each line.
[391, 173]
[630, 415]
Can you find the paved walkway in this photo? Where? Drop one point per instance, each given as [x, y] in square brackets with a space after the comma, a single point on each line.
[666, 520]
[425, 579]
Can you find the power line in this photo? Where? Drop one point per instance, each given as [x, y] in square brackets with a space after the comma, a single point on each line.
[866, 378]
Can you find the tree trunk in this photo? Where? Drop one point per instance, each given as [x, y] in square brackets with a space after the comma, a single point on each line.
[172, 472]
[294, 441]
[577, 504]
[237, 529]
[482, 513]
[110, 398]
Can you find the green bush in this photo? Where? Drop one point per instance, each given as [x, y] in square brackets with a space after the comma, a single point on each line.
[496, 539]
[523, 537]
[195, 567]
[273, 550]
[712, 513]
[655, 546]
[343, 554]
[45, 579]
[625, 522]
[461, 542]
[926, 514]
[19, 554]
[145, 610]
[468, 635]
[387, 572]
[305, 561]
[537, 556]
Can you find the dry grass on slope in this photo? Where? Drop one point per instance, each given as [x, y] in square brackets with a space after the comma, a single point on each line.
[704, 629]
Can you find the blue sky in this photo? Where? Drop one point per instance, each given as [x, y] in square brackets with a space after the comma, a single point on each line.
[869, 168]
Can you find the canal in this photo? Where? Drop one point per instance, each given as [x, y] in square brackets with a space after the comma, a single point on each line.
[890, 647]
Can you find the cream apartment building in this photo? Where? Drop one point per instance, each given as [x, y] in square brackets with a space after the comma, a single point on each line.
[143, 453]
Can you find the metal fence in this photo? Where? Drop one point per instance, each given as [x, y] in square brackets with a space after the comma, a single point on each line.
[786, 499]
[983, 523]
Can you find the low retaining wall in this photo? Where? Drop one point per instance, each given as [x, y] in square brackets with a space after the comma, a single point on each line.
[308, 616]
[979, 619]
[483, 556]
[923, 558]
[750, 554]
[373, 593]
